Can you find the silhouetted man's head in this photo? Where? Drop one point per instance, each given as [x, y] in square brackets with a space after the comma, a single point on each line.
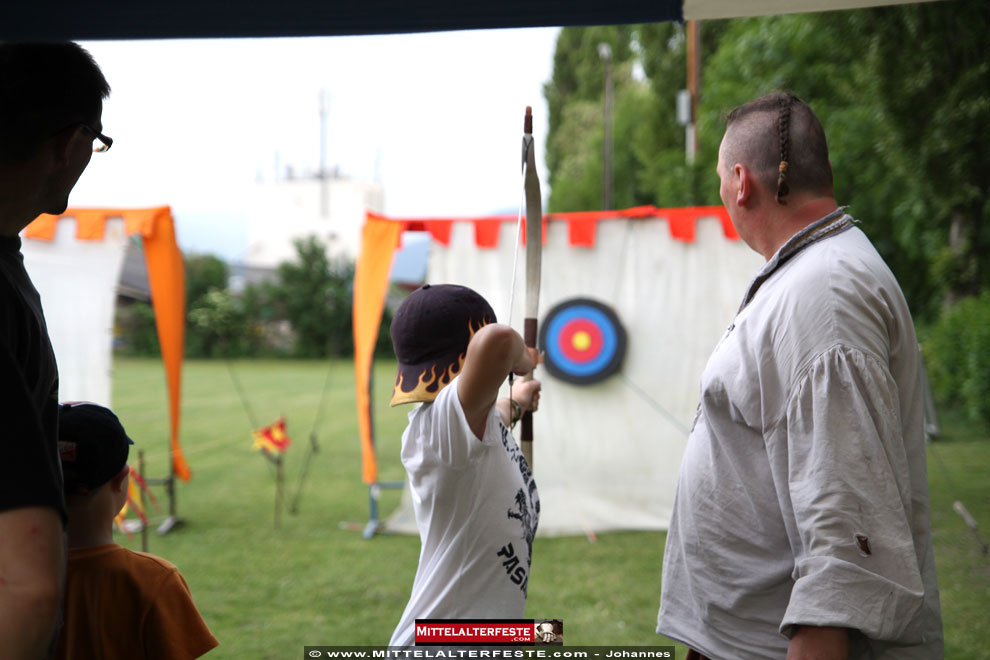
[46, 88]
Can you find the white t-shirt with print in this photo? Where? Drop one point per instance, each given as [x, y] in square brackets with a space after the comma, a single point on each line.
[477, 508]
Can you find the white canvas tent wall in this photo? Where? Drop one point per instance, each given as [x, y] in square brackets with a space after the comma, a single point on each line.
[77, 281]
[606, 456]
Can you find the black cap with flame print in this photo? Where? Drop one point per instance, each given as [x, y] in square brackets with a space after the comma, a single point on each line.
[430, 333]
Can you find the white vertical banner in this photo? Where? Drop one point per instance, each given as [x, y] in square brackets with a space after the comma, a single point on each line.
[77, 280]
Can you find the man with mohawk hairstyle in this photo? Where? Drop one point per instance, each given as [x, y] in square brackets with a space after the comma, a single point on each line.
[475, 500]
[800, 527]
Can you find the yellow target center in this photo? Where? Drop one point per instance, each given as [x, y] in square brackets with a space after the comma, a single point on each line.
[581, 340]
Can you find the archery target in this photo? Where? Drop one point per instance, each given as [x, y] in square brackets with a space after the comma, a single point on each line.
[583, 341]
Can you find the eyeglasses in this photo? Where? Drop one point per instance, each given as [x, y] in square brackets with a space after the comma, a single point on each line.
[102, 142]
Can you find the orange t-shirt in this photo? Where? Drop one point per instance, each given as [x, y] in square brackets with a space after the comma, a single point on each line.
[125, 604]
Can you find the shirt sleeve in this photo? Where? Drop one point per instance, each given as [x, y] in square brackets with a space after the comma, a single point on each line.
[30, 473]
[451, 439]
[855, 560]
[173, 627]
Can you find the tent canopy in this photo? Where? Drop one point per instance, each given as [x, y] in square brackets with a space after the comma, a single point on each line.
[163, 19]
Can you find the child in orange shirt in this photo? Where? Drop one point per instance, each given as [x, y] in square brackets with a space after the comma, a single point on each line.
[118, 603]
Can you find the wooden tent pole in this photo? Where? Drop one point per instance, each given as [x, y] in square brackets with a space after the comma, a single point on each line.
[144, 527]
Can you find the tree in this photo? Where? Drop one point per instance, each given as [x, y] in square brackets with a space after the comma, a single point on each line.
[314, 294]
[221, 326]
[649, 145]
[935, 96]
[904, 93]
[206, 275]
[576, 132]
[204, 272]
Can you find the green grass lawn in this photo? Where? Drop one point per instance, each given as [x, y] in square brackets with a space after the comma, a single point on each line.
[959, 469]
[266, 593]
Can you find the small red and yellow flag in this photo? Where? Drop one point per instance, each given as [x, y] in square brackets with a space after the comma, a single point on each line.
[272, 439]
[135, 484]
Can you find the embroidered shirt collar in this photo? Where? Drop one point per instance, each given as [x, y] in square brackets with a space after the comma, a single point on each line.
[832, 224]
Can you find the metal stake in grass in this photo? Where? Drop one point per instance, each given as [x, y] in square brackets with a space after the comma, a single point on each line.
[278, 488]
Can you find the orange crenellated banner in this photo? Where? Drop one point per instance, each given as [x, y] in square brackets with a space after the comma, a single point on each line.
[166, 277]
[582, 226]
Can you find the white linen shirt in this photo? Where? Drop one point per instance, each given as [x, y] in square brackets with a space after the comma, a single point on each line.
[803, 495]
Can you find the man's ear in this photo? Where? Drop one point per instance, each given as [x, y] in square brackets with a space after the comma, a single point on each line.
[61, 145]
[745, 184]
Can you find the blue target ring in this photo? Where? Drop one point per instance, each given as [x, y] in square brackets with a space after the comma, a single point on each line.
[583, 341]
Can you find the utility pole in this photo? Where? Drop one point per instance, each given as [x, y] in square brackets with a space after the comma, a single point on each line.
[605, 53]
[693, 81]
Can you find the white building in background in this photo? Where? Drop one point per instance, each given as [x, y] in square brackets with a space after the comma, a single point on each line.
[330, 208]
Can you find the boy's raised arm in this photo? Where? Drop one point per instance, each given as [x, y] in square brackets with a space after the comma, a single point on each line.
[494, 351]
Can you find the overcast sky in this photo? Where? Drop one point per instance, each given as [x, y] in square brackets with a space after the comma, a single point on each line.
[436, 118]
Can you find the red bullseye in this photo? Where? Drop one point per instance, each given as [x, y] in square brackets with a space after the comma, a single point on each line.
[580, 340]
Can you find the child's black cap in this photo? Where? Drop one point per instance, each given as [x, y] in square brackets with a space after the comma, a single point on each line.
[430, 333]
[92, 445]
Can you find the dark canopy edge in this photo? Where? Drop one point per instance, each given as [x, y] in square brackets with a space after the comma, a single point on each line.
[161, 19]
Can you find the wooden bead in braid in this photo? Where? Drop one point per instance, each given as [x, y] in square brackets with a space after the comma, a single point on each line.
[784, 123]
